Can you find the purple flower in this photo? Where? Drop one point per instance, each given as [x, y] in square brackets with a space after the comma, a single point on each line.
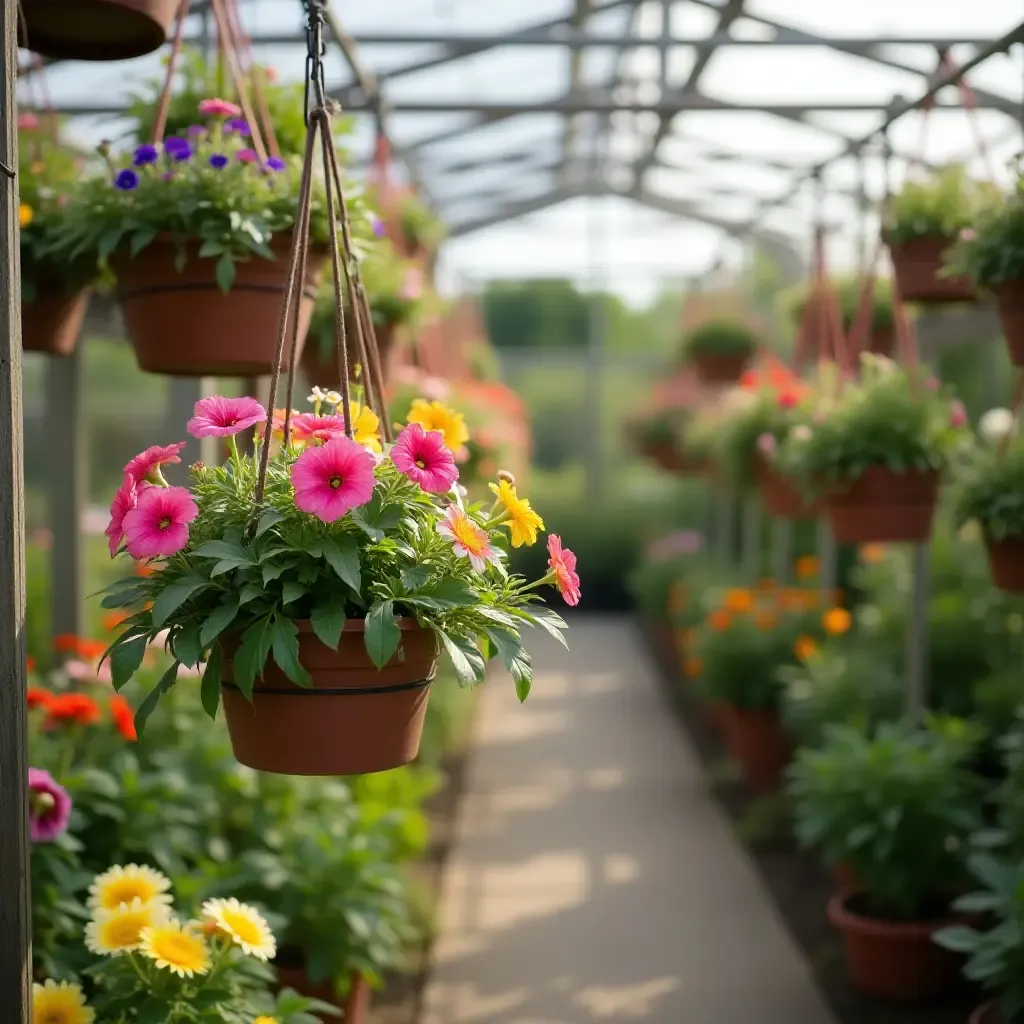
[144, 154]
[196, 131]
[49, 807]
[173, 143]
[126, 180]
[275, 163]
[236, 125]
[379, 227]
[218, 161]
[182, 153]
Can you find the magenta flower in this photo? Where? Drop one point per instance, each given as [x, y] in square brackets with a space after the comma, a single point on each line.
[422, 456]
[218, 416]
[219, 108]
[332, 479]
[412, 286]
[957, 414]
[248, 156]
[124, 501]
[28, 121]
[145, 467]
[158, 525]
[562, 567]
[306, 425]
[49, 807]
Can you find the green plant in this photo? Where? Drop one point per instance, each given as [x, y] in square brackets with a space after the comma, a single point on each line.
[990, 489]
[897, 806]
[940, 205]
[992, 251]
[847, 290]
[719, 337]
[422, 229]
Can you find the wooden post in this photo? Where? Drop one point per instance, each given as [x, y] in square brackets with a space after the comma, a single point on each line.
[15, 896]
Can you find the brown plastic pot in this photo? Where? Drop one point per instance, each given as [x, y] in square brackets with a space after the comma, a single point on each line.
[1010, 303]
[719, 367]
[356, 1006]
[782, 498]
[97, 29]
[757, 741]
[183, 324]
[352, 721]
[324, 372]
[987, 1013]
[916, 264]
[53, 322]
[1006, 562]
[884, 506]
[893, 959]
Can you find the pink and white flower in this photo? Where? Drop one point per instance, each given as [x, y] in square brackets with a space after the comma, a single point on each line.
[468, 540]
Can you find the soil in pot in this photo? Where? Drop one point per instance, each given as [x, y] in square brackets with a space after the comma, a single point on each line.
[324, 372]
[352, 721]
[183, 324]
[758, 742]
[719, 367]
[917, 263]
[1006, 563]
[781, 497]
[893, 959]
[53, 322]
[290, 966]
[1010, 303]
[884, 506]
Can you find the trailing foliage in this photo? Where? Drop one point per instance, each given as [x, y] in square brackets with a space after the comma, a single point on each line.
[991, 490]
[940, 205]
[992, 251]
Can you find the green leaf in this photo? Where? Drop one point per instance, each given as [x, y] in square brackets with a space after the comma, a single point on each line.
[173, 596]
[141, 237]
[466, 659]
[342, 555]
[126, 658]
[382, 633]
[415, 577]
[251, 655]
[249, 593]
[271, 517]
[187, 646]
[551, 622]
[284, 635]
[515, 658]
[448, 593]
[218, 620]
[229, 564]
[291, 592]
[272, 572]
[225, 272]
[148, 706]
[210, 691]
[328, 620]
[222, 549]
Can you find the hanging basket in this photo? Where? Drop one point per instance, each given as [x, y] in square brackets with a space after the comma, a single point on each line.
[324, 372]
[719, 367]
[780, 496]
[916, 264]
[883, 506]
[53, 322]
[1010, 303]
[1006, 563]
[183, 324]
[96, 29]
[353, 720]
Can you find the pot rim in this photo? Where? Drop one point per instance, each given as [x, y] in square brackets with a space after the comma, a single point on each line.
[848, 920]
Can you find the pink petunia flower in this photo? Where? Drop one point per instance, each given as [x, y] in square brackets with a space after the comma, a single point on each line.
[49, 807]
[219, 108]
[124, 501]
[422, 456]
[468, 539]
[332, 479]
[562, 564]
[412, 285]
[957, 414]
[766, 444]
[28, 121]
[145, 467]
[248, 156]
[158, 525]
[307, 425]
[218, 416]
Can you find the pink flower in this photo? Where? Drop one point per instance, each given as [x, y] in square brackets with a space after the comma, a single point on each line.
[308, 425]
[766, 444]
[145, 467]
[49, 807]
[248, 156]
[219, 108]
[932, 384]
[422, 456]
[967, 235]
[468, 539]
[218, 416]
[332, 479]
[124, 501]
[412, 286]
[158, 525]
[28, 121]
[957, 414]
[562, 565]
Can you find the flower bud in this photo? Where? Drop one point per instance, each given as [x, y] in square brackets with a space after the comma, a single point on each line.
[504, 474]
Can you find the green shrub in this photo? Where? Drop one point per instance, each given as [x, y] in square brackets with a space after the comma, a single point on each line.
[719, 337]
[991, 490]
[993, 250]
[940, 205]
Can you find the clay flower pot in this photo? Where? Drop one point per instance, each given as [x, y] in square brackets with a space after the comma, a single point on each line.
[917, 263]
[183, 324]
[291, 973]
[893, 959]
[1006, 563]
[987, 1013]
[884, 506]
[53, 322]
[97, 29]
[353, 720]
[324, 372]
[1010, 303]
[719, 367]
[757, 741]
[781, 497]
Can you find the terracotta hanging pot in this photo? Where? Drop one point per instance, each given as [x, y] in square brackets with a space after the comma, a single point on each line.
[290, 967]
[1010, 303]
[987, 1013]
[719, 367]
[1006, 563]
[324, 372]
[893, 959]
[781, 497]
[758, 742]
[352, 721]
[183, 324]
[96, 29]
[883, 506]
[54, 321]
[916, 264]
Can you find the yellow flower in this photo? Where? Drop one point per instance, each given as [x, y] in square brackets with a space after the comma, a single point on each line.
[25, 215]
[120, 930]
[176, 948]
[123, 884]
[365, 426]
[807, 567]
[738, 600]
[438, 416]
[265, 1020]
[804, 647]
[836, 621]
[244, 925]
[62, 1003]
[522, 520]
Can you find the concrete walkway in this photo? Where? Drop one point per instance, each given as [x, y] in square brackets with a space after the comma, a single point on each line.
[592, 877]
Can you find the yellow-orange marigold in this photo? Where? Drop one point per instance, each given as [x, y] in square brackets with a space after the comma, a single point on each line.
[807, 567]
[738, 600]
[836, 621]
[719, 620]
[766, 620]
[804, 647]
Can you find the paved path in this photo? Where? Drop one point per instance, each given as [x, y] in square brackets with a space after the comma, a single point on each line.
[592, 877]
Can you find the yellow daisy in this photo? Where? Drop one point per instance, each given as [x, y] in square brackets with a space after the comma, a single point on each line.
[25, 215]
[244, 925]
[176, 948]
[265, 1020]
[122, 884]
[521, 519]
[438, 416]
[365, 426]
[120, 930]
[60, 1003]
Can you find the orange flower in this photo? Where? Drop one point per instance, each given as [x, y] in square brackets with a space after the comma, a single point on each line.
[766, 585]
[807, 567]
[123, 716]
[39, 698]
[111, 620]
[804, 647]
[80, 646]
[65, 643]
[872, 554]
[765, 621]
[30, 664]
[73, 707]
[737, 600]
[692, 667]
[719, 620]
[91, 650]
[145, 569]
[836, 621]
[836, 596]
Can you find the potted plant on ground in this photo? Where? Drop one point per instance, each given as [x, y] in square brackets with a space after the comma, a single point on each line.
[719, 349]
[319, 610]
[897, 807]
[874, 450]
[923, 219]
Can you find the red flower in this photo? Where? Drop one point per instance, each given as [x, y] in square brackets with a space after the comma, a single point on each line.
[30, 663]
[788, 400]
[124, 718]
[73, 707]
[38, 697]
